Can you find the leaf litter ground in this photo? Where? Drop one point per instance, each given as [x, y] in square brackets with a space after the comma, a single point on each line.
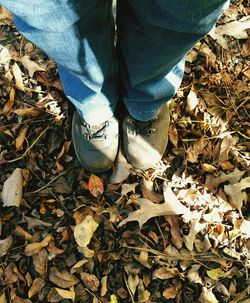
[179, 233]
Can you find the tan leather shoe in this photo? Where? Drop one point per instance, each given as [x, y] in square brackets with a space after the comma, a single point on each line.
[145, 142]
[96, 146]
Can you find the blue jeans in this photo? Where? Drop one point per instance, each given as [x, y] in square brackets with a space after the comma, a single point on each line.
[153, 38]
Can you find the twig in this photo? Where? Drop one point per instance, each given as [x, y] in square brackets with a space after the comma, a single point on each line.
[29, 148]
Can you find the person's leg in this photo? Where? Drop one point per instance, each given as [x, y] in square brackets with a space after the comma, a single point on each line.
[79, 36]
[153, 38]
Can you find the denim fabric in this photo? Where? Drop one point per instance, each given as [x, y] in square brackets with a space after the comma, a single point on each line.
[153, 39]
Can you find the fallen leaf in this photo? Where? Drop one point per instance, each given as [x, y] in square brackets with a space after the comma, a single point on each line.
[192, 101]
[58, 294]
[8, 105]
[121, 169]
[62, 279]
[236, 29]
[164, 273]
[18, 77]
[127, 188]
[133, 281]
[113, 299]
[12, 189]
[147, 189]
[28, 111]
[104, 288]
[95, 185]
[195, 228]
[207, 296]
[234, 191]
[175, 231]
[11, 274]
[173, 134]
[21, 138]
[3, 298]
[213, 182]
[20, 300]
[83, 232]
[90, 281]
[31, 66]
[227, 144]
[40, 262]
[36, 287]
[34, 248]
[149, 210]
[5, 244]
[33, 222]
[170, 292]
[216, 273]
[196, 149]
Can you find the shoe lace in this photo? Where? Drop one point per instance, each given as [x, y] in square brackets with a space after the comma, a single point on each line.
[144, 127]
[94, 132]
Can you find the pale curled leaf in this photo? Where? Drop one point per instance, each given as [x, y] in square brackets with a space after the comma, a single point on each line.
[12, 189]
[83, 232]
[63, 278]
[234, 191]
[90, 281]
[18, 77]
[5, 244]
[195, 228]
[36, 287]
[236, 29]
[31, 66]
[34, 248]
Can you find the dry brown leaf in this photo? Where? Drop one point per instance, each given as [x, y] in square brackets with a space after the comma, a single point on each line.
[83, 232]
[3, 298]
[21, 138]
[104, 287]
[236, 29]
[170, 292]
[245, 50]
[18, 77]
[175, 231]
[34, 248]
[90, 281]
[36, 287]
[149, 210]
[8, 105]
[31, 66]
[28, 111]
[33, 222]
[58, 294]
[12, 189]
[20, 300]
[40, 262]
[234, 191]
[62, 279]
[164, 273]
[147, 189]
[173, 134]
[5, 244]
[196, 149]
[11, 274]
[121, 169]
[213, 182]
[227, 144]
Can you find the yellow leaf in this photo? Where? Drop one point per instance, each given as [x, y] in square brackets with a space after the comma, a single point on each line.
[216, 273]
[113, 299]
[34, 248]
[27, 111]
[84, 231]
